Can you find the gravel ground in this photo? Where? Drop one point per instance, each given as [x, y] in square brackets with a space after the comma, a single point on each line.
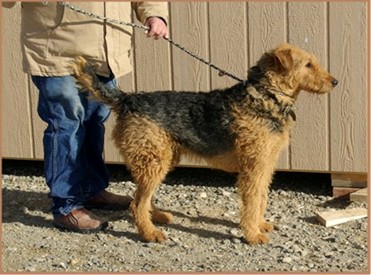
[204, 236]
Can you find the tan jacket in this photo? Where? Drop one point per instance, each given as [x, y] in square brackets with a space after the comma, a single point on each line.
[53, 35]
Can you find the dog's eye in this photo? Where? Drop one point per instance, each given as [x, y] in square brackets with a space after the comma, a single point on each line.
[308, 65]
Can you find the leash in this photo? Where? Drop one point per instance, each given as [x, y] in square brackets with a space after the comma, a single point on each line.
[118, 22]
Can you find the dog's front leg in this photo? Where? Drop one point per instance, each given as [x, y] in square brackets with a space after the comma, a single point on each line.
[253, 187]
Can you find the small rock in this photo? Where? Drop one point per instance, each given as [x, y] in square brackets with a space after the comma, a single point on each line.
[30, 268]
[328, 254]
[276, 227]
[74, 262]
[62, 265]
[330, 239]
[226, 193]
[296, 248]
[303, 253]
[236, 240]
[286, 260]
[283, 193]
[25, 210]
[203, 195]
[322, 198]
[226, 241]
[235, 232]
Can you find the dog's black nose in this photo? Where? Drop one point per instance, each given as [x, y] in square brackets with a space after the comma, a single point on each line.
[334, 82]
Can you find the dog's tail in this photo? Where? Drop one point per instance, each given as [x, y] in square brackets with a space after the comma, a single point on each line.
[88, 81]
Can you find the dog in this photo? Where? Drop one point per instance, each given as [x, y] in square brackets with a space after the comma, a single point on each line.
[240, 129]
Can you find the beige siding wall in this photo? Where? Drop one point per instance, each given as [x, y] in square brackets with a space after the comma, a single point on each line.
[330, 134]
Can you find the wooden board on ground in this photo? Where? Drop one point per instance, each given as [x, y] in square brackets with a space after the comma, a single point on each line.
[331, 218]
[360, 195]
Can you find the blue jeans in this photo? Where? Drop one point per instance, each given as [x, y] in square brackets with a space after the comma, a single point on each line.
[73, 142]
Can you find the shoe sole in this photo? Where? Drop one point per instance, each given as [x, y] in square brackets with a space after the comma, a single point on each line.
[82, 230]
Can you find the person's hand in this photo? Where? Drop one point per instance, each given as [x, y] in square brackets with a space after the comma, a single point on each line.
[158, 28]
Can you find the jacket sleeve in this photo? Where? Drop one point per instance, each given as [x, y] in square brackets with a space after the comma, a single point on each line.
[143, 10]
[9, 5]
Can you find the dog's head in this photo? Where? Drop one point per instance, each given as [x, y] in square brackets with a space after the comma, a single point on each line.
[291, 69]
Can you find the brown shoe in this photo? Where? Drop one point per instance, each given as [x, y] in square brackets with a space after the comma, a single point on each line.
[108, 201]
[80, 220]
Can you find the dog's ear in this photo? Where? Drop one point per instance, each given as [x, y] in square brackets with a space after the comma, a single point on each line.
[283, 60]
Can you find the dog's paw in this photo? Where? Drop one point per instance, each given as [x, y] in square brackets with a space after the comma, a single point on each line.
[258, 238]
[162, 217]
[266, 227]
[155, 236]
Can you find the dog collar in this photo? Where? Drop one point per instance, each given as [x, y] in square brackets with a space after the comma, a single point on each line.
[287, 110]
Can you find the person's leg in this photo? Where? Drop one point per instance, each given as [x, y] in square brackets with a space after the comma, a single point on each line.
[66, 111]
[73, 146]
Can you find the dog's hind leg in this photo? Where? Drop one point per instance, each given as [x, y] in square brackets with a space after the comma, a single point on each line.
[148, 174]
[148, 153]
[141, 209]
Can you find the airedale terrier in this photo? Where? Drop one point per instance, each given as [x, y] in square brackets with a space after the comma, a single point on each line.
[239, 129]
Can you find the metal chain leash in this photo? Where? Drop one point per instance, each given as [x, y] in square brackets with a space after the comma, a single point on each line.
[118, 22]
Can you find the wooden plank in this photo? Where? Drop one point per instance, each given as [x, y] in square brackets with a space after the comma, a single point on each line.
[347, 180]
[266, 29]
[189, 29]
[228, 41]
[17, 134]
[151, 63]
[331, 218]
[360, 196]
[310, 136]
[349, 176]
[346, 183]
[111, 152]
[38, 126]
[348, 104]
